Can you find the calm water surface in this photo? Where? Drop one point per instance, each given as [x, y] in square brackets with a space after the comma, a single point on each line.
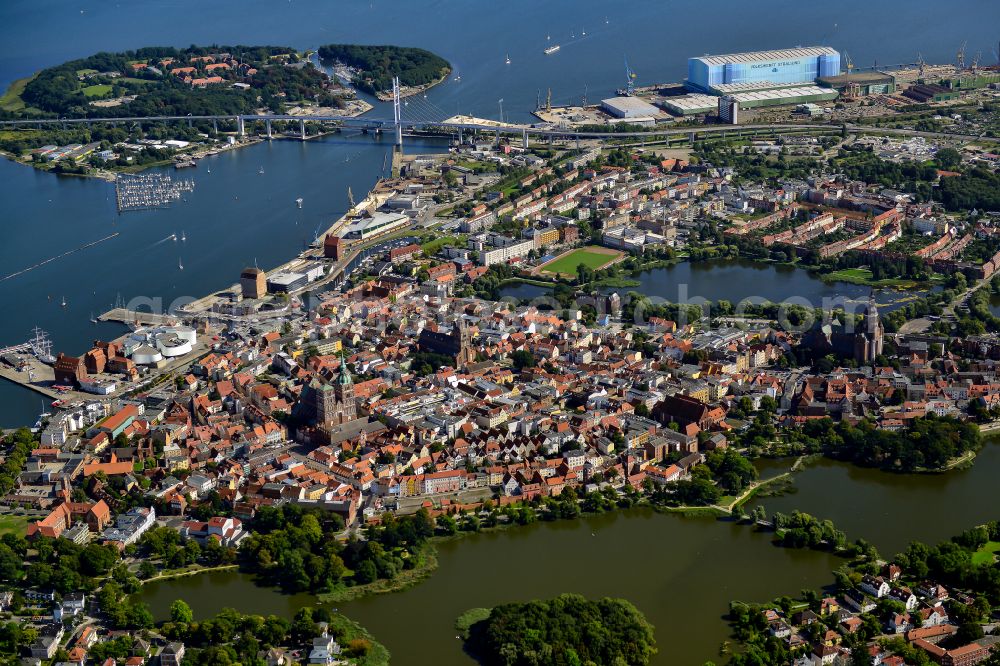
[890, 510]
[680, 572]
[739, 280]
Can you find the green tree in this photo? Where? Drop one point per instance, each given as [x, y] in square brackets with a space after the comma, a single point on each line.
[180, 611]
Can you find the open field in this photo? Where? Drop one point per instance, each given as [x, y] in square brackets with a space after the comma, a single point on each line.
[10, 524]
[99, 90]
[987, 553]
[863, 276]
[591, 257]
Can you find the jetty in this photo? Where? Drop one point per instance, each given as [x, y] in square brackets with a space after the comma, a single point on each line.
[131, 317]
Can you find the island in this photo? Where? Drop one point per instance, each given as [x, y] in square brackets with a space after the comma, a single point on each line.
[161, 81]
[372, 68]
[568, 629]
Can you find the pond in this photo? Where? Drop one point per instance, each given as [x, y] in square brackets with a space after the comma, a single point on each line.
[737, 280]
[889, 509]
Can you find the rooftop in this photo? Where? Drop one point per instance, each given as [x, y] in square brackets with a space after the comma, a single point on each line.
[764, 56]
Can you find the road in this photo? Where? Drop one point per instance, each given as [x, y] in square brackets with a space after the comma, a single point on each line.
[515, 130]
[922, 324]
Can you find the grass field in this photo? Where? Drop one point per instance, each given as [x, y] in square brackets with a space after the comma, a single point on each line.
[430, 247]
[15, 524]
[98, 90]
[863, 276]
[11, 100]
[591, 257]
[987, 553]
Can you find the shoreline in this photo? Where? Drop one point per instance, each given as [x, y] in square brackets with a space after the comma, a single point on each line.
[410, 91]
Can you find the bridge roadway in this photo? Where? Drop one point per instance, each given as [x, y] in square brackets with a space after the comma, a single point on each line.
[515, 130]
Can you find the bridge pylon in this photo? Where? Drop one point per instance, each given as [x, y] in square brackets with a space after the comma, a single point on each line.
[397, 113]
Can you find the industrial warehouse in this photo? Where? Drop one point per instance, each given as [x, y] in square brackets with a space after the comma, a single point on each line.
[729, 83]
[761, 69]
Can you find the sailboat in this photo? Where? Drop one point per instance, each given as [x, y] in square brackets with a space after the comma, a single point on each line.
[299, 202]
[92, 319]
[183, 237]
[508, 59]
[64, 301]
[180, 264]
[261, 171]
[209, 170]
[583, 33]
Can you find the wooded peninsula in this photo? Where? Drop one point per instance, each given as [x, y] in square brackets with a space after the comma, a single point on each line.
[375, 66]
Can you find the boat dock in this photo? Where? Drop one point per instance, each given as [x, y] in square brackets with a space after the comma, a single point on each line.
[146, 191]
[128, 317]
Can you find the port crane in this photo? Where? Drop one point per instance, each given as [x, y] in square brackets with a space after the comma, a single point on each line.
[630, 77]
[849, 62]
[960, 56]
[920, 65]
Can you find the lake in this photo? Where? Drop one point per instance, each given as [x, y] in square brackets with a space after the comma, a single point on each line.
[890, 510]
[736, 280]
[680, 572]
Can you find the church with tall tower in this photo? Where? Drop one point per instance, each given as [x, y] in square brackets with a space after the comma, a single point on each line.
[457, 343]
[868, 345]
[863, 344]
[335, 402]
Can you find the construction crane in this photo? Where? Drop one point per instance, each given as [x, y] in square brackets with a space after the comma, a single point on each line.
[630, 77]
[961, 56]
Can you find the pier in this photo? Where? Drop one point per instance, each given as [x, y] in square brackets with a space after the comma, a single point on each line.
[129, 317]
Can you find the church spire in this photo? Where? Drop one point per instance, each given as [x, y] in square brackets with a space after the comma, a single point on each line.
[344, 378]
